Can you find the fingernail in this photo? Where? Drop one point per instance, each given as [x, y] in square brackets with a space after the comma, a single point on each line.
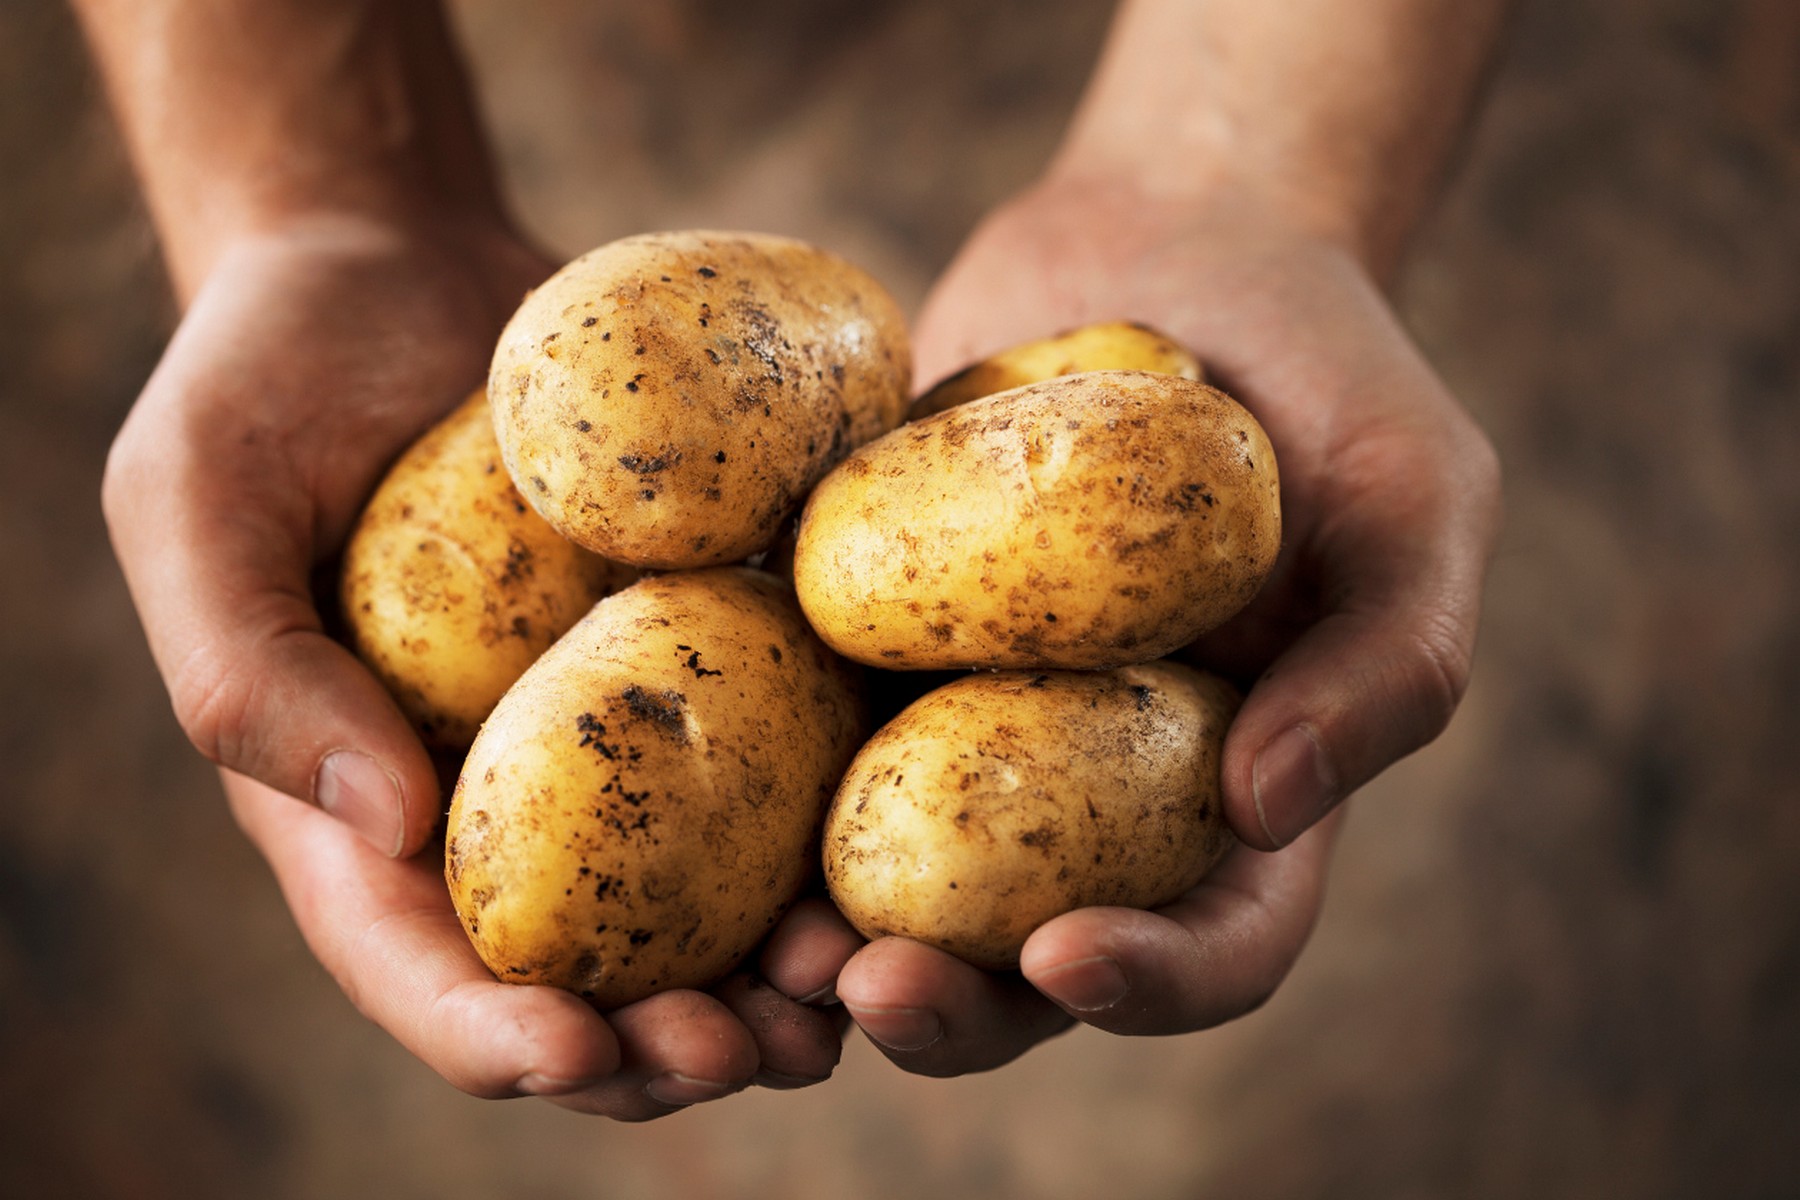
[782, 1082]
[903, 1029]
[678, 1091]
[1293, 784]
[355, 790]
[1085, 985]
[534, 1084]
[824, 996]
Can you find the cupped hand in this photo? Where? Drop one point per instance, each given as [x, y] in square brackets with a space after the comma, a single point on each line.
[385, 930]
[1356, 652]
[310, 357]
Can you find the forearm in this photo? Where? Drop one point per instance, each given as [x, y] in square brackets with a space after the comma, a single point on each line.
[1339, 114]
[241, 114]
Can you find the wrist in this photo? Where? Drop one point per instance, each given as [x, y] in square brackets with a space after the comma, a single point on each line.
[373, 214]
[480, 259]
[1138, 212]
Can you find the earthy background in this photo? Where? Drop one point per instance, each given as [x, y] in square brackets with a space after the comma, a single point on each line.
[1561, 957]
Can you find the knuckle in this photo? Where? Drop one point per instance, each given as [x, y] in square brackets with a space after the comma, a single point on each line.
[214, 704]
[1438, 662]
[1485, 474]
[118, 481]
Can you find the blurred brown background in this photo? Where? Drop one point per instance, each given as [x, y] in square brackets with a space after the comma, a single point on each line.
[1561, 957]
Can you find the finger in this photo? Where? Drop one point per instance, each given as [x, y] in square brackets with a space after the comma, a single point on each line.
[1382, 671]
[807, 950]
[797, 1045]
[1217, 953]
[217, 550]
[934, 1014]
[386, 932]
[678, 1049]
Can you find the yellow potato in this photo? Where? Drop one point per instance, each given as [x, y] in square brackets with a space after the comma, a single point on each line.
[668, 400]
[1090, 521]
[645, 803]
[1106, 346]
[451, 586]
[1002, 800]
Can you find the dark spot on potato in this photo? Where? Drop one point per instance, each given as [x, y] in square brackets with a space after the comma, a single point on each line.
[1050, 617]
[607, 336]
[539, 484]
[639, 464]
[1041, 838]
[1142, 694]
[589, 322]
[693, 664]
[518, 562]
[593, 733]
[665, 709]
[708, 272]
[584, 425]
[639, 937]
[775, 653]
[631, 386]
[719, 456]
[648, 493]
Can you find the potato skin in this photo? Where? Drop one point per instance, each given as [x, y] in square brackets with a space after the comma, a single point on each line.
[645, 803]
[668, 400]
[1002, 800]
[451, 586]
[1090, 521]
[1103, 346]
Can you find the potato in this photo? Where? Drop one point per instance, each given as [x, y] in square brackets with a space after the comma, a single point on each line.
[669, 400]
[1106, 346]
[1002, 800]
[645, 803]
[1090, 521]
[451, 586]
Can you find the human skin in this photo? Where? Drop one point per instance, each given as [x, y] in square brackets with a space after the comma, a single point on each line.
[1244, 176]
[1241, 174]
[331, 228]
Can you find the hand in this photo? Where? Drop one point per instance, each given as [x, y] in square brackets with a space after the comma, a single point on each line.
[311, 356]
[385, 930]
[1359, 645]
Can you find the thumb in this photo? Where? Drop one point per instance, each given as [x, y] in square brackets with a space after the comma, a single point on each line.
[1383, 670]
[217, 551]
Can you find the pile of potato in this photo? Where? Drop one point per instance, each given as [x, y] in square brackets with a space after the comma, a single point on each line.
[652, 767]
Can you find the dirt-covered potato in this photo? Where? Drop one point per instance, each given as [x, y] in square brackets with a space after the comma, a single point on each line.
[451, 586]
[1002, 800]
[1090, 521]
[1105, 346]
[668, 400]
[645, 803]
